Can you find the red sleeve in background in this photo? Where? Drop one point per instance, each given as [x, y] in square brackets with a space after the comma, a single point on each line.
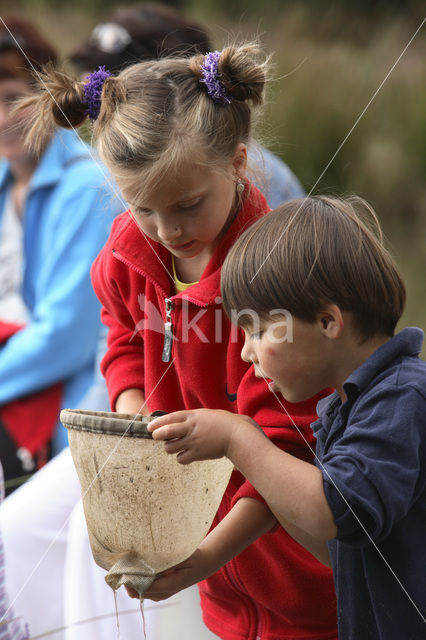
[31, 419]
[7, 329]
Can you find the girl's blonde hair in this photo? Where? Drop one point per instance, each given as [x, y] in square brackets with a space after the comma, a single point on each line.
[156, 117]
[312, 252]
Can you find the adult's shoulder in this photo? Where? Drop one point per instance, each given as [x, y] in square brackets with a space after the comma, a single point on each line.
[79, 157]
[79, 179]
[274, 177]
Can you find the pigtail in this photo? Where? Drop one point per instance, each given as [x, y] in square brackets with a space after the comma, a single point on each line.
[58, 101]
[195, 66]
[113, 94]
[242, 73]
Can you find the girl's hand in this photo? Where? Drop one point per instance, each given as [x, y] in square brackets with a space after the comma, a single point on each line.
[183, 575]
[132, 593]
[200, 434]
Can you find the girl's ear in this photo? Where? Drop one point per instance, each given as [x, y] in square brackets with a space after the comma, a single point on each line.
[331, 321]
[239, 160]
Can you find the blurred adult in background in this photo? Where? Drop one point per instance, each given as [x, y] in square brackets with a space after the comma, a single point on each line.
[148, 31]
[68, 582]
[136, 32]
[53, 221]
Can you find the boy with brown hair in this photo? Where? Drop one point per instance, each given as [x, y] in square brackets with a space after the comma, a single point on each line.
[327, 297]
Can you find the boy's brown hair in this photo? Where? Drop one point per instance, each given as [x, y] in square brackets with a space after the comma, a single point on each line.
[311, 252]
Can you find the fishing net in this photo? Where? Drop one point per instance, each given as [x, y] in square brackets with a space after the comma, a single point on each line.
[144, 511]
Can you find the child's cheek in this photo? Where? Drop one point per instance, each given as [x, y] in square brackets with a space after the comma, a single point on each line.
[148, 229]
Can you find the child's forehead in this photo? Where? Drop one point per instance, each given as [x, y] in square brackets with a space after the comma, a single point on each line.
[171, 188]
[250, 320]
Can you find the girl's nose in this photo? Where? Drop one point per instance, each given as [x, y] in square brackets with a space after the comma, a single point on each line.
[169, 232]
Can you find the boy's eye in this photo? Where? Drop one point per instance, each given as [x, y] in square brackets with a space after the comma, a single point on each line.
[257, 335]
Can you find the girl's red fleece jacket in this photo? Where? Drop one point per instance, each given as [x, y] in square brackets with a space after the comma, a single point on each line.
[275, 589]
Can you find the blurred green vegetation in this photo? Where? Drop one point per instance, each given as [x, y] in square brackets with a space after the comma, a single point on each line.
[329, 59]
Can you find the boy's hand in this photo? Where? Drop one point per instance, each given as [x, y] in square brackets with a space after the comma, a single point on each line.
[200, 434]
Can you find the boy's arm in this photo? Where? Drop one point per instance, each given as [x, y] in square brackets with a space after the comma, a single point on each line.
[246, 522]
[292, 488]
[318, 548]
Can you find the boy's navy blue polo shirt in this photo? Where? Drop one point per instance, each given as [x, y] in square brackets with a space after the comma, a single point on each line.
[372, 452]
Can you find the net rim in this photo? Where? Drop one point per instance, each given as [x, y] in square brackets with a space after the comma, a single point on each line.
[108, 423]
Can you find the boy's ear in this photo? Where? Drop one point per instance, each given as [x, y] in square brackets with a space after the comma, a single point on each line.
[331, 321]
[239, 160]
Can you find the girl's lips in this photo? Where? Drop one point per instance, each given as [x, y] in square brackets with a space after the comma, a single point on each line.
[179, 247]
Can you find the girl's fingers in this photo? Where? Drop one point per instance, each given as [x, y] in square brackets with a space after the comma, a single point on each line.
[132, 592]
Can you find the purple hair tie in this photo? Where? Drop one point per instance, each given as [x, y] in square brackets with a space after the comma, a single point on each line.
[211, 78]
[93, 91]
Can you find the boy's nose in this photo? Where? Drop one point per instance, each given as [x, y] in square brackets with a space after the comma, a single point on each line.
[246, 352]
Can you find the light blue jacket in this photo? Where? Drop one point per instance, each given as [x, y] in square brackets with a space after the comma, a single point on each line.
[273, 177]
[68, 213]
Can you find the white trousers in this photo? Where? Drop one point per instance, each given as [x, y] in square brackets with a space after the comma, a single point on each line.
[53, 581]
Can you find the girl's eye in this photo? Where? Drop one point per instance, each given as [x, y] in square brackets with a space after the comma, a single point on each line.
[143, 212]
[191, 204]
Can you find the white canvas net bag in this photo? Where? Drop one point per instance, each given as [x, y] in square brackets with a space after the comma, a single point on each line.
[144, 511]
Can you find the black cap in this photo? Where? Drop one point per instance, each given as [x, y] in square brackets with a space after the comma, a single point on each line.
[140, 32]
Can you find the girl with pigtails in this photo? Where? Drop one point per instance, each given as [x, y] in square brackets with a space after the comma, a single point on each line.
[174, 135]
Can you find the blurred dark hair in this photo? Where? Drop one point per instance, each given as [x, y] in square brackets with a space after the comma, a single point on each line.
[134, 33]
[21, 34]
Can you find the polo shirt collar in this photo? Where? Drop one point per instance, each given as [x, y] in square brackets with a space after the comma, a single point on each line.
[406, 343]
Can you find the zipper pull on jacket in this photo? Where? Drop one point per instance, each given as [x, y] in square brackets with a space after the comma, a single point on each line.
[168, 332]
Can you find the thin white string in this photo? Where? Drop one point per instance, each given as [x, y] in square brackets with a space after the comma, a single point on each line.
[165, 605]
[94, 158]
[313, 187]
[343, 142]
[311, 449]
